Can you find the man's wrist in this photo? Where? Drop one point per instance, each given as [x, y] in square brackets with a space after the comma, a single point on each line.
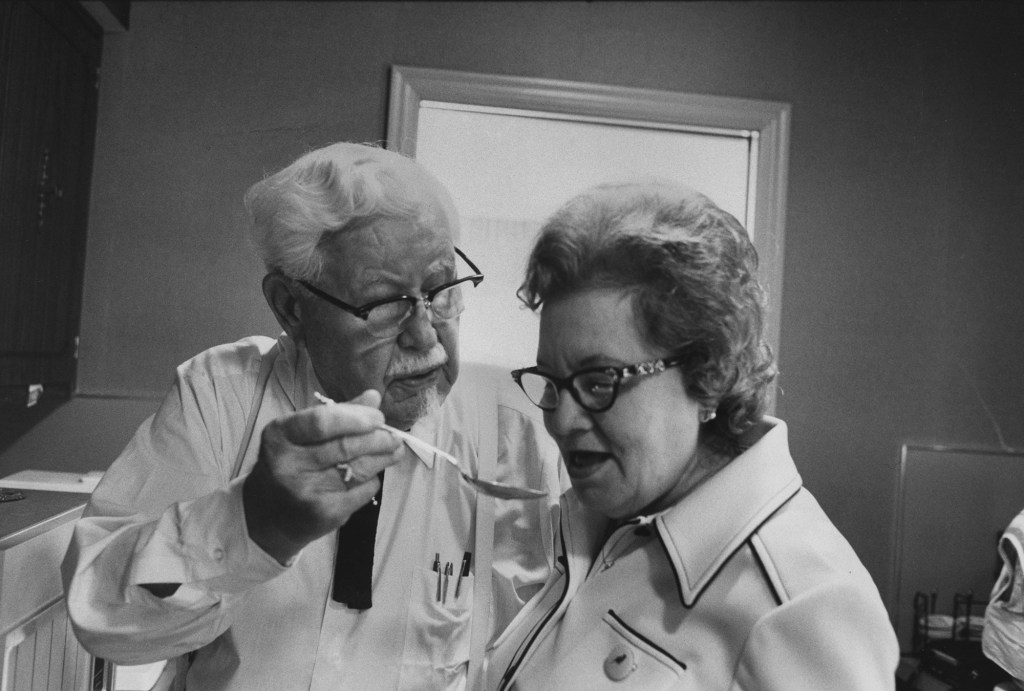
[263, 530]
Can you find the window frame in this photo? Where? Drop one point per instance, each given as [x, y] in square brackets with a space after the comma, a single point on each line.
[766, 123]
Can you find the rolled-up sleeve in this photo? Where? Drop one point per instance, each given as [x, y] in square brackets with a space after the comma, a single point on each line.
[168, 514]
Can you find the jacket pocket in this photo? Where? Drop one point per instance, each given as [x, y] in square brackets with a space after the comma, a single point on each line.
[606, 655]
[630, 660]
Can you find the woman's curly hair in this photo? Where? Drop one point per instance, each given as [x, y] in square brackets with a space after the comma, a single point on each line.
[691, 270]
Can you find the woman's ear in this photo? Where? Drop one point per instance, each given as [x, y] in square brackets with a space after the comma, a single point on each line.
[279, 290]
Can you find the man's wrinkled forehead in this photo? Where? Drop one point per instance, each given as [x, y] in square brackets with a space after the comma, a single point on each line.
[395, 253]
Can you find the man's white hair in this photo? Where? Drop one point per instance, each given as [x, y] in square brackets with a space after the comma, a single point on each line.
[338, 188]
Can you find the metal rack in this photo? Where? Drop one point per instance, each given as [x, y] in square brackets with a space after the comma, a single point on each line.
[959, 628]
[948, 657]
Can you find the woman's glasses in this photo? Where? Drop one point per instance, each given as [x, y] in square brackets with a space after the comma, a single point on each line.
[594, 388]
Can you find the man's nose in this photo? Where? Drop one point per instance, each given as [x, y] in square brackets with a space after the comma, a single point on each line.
[419, 331]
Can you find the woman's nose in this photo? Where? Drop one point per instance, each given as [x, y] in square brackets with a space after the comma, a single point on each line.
[568, 417]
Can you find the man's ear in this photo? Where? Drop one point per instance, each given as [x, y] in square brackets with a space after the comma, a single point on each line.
[278, 289]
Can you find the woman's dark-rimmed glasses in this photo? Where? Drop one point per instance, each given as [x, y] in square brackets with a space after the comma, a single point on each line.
[594, 388]
[387, 317]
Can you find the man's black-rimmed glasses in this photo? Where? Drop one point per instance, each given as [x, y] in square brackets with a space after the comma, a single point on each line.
[594, 388]
[387, 317]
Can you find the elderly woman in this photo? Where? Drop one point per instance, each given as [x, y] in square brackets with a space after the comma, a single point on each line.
[689, 556]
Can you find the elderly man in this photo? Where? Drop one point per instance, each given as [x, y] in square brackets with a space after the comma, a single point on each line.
[262, 540]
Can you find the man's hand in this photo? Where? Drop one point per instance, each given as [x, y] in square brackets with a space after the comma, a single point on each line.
[296, 492]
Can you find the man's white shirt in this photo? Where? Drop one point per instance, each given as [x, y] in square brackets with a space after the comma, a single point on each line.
[169, 511]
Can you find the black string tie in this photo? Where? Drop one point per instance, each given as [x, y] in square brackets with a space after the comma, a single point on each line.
[353, 565]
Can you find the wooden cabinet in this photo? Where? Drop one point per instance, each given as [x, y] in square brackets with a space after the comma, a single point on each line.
[49, 71]
[40, 652]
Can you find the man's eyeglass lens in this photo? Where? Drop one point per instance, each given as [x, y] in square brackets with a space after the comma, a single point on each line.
[389, 318]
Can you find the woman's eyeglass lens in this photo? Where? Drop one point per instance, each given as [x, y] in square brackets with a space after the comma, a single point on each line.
[595, 391]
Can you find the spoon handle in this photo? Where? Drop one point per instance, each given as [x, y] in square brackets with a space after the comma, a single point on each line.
[402, 435]
[416, 441]
[494, 489]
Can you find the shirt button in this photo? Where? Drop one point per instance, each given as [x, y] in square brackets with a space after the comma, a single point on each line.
[218, 554]
[620, 663]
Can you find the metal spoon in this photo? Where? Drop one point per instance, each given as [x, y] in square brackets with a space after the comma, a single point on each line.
[491, 488]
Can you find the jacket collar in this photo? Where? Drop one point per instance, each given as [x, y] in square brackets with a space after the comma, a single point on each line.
[702, 531]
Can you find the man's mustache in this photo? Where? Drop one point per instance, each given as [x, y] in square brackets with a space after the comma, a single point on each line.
[418, 364]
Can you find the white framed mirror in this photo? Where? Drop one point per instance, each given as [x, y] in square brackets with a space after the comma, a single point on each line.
[952, 506]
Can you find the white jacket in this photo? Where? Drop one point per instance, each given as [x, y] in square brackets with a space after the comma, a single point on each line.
[744, 584]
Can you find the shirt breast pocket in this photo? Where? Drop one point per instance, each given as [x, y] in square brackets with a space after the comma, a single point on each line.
[438, 630]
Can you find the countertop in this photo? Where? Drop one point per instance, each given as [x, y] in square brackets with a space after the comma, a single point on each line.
[38, 512]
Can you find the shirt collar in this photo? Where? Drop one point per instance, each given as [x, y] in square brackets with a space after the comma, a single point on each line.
[426, 429]
[702, 531]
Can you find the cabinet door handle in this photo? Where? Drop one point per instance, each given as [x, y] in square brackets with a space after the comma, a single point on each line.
[47, 188]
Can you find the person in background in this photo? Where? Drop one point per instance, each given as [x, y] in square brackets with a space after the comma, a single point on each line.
[689, 556]
[263, 540]
[1002, 638]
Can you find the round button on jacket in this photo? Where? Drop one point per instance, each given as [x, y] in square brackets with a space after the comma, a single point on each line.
[620, 663]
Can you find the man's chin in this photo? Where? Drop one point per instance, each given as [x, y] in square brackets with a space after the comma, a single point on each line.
[404, 412]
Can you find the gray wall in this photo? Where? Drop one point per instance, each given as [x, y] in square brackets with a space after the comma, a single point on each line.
[903, 308]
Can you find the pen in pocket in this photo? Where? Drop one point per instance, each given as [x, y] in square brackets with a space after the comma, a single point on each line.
[448, 571]
[463, 571]
[437, 567]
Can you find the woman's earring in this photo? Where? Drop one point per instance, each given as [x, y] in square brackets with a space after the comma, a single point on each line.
[707, 415]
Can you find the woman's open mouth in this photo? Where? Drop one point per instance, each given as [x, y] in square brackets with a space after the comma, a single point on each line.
[580, 464]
